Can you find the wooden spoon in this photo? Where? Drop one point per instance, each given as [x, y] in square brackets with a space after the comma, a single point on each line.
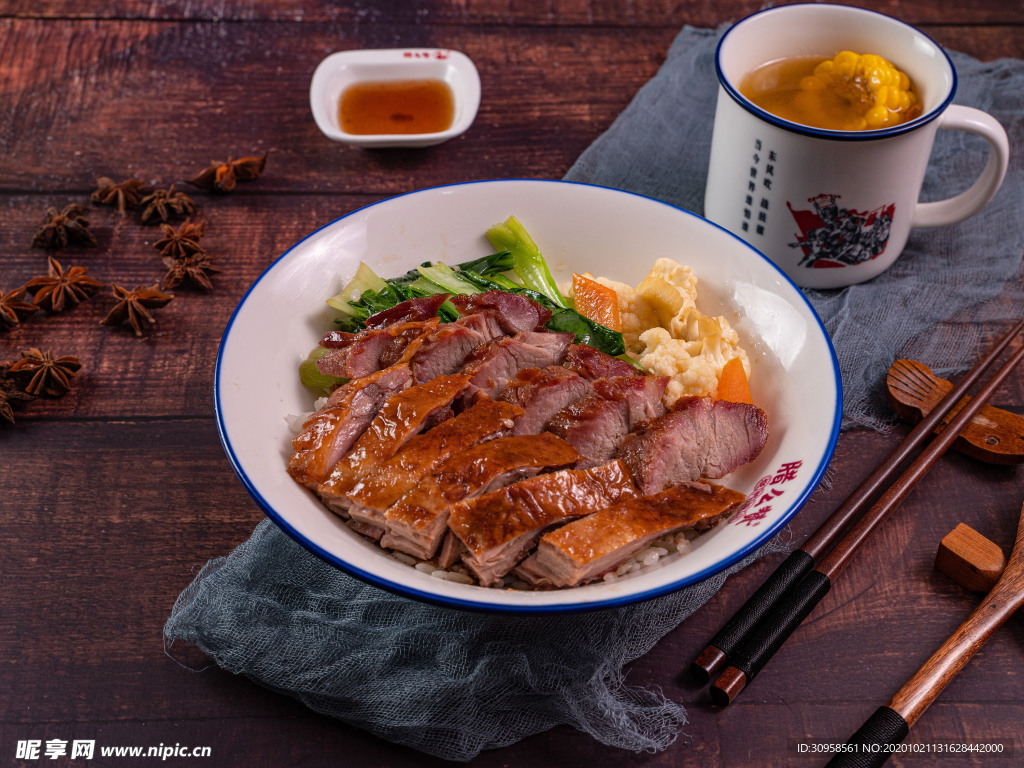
[890, 724]
[994, 435]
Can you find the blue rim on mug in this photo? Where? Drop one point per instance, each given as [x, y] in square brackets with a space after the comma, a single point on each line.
[824, 133]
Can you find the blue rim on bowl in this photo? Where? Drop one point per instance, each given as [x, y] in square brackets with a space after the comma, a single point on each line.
[281, 501]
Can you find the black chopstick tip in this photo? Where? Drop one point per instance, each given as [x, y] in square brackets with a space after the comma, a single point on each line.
[710, 661]
[728, 686]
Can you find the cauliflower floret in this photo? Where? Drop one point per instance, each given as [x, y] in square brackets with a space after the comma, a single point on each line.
[681, 277]
[693, 325]
[693, 364]
[689, 323]
[635, 314]
[688, 347]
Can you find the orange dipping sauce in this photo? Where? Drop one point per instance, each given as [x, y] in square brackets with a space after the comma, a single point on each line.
[396, 106]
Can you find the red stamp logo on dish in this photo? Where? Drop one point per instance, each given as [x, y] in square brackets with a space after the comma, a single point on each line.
[425, 54]
[759, 503]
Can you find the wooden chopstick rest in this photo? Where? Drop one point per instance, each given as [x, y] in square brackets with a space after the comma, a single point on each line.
[970, 559]
[993, 435]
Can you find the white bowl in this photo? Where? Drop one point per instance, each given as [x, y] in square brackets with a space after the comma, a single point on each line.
[340, 70]
[795, 376]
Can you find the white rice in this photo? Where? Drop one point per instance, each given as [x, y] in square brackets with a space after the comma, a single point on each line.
[296, 420]
[460, 578]
[658, 554]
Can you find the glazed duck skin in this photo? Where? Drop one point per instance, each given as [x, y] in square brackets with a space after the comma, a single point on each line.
[486, 420]
[401, 417]
[419, 520]
[498, 528]
[329, 433]
[591, 546]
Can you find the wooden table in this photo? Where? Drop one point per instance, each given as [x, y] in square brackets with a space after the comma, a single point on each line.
[114, 495]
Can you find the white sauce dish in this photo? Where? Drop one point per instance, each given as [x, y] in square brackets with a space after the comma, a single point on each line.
[344, 70]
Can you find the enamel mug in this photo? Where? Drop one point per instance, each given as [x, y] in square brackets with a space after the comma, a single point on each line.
[834, 208]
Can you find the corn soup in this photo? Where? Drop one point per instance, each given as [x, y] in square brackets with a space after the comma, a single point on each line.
[850, 92]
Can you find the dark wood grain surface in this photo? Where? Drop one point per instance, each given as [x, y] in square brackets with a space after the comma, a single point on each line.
[113, 496]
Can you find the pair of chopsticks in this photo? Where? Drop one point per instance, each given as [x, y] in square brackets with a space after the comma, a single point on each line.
[759, 628]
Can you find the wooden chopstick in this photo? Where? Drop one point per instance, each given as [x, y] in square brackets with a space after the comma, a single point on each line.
[715, 655]
[777, 624]
[874, 742]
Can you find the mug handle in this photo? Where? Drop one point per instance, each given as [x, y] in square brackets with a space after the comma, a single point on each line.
[972, 200]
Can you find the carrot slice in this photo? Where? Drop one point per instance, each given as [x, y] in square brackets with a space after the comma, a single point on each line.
[732, 383]
[596, 302]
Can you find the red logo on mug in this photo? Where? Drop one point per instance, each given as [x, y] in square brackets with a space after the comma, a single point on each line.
[831, 236]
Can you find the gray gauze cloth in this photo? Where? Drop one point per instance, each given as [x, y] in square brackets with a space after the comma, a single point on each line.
[452, 683]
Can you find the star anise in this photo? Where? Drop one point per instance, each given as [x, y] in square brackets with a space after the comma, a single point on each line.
[62, 289]
[46, 374]
[63, 227]
[10, 392]
[182, 242]
[127, 194]
[13, 308]
[195, 269]
[221, 177]
[164, 204]
[132, 306]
